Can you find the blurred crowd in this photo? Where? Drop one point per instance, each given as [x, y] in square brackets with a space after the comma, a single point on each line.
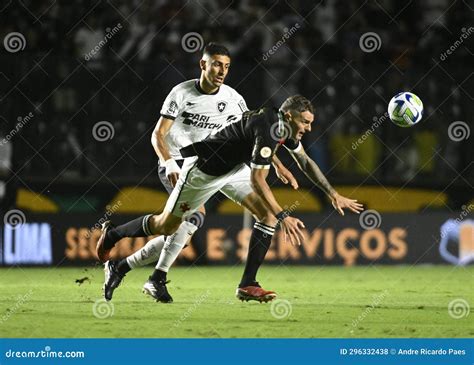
[116, 60]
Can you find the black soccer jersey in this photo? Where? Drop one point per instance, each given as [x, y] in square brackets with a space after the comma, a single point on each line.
[252, 140]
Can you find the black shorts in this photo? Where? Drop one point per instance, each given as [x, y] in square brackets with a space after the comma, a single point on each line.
[162, 175]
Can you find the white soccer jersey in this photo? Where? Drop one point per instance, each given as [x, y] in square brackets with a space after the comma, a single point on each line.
[197, 114]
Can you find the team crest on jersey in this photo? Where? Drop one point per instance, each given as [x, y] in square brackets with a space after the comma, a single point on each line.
[184, 207]
[221, 105]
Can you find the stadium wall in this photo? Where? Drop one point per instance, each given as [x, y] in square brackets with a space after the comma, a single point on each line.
[51, 239]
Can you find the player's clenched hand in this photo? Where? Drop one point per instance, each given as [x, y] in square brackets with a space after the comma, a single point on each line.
[340, 203]
[172, 171]
[286, 176]
[173, 178]
[292, 230]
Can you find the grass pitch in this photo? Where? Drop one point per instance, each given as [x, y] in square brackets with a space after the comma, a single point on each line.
[373, 301]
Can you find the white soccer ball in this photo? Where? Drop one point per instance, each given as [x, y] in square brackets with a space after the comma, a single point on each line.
[405, 109]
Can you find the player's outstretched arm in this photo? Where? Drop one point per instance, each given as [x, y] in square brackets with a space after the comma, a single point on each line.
[313, 172]
[291, 226]
[283, 173]
[162, 150]
[260, 186]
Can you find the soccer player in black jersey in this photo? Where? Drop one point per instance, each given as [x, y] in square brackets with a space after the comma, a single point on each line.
[253, 139]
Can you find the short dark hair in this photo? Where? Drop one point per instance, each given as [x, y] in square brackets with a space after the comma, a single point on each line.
[297, 103]
[212, 49]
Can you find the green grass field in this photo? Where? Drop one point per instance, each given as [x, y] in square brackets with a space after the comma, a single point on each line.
[372, 301]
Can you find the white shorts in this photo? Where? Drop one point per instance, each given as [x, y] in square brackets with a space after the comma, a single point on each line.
[194, 188]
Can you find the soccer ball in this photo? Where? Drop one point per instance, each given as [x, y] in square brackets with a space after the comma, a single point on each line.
[405, 109]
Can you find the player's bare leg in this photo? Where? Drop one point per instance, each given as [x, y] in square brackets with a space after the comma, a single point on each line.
[260, 241]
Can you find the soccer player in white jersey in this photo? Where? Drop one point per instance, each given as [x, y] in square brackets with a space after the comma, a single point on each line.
[192, 111]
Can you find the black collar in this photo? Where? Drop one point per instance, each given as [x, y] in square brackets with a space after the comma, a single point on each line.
[198, 88]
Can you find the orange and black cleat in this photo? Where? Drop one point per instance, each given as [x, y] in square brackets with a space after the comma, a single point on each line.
[255, 293]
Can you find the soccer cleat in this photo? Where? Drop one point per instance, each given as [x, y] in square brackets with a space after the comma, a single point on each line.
[103, 254]
[157, 290]
[255, 293]
[112, 279]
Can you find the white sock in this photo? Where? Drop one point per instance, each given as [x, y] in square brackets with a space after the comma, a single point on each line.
[174, 244]
[148, 253]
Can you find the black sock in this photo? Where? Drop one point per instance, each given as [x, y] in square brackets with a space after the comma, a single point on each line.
[259, 244]
[123, 267]
[158, 275]
[136, 228]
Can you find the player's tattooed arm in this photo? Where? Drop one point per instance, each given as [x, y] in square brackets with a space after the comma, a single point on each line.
[311, 169]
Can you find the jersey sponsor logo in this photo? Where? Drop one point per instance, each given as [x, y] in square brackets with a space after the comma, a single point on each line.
[266, 152]
[221, 105]
[190, 103]
[199, 121]
[172, 107]
[232, 119]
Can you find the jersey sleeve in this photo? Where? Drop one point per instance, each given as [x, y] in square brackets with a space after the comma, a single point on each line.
[239, 100]
[172, 104]
[263, 144]
[242, 105]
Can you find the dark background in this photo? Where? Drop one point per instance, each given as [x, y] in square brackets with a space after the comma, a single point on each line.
[127, 81]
